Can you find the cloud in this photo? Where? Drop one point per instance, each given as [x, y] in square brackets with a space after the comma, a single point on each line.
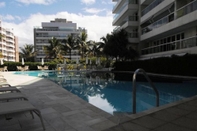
[107, 2]
[9, 17]
[93, 10]
[42, 2]
[97, 26]
[88, 2]
[2, 4]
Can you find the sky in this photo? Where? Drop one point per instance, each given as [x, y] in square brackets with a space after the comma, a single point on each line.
[22, 16]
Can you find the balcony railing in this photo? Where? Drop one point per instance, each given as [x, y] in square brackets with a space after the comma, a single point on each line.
[187, 9]
[116, 28]
[42, 29]
[175, 45]
[130, 2]
[124, 5]
[50, 36]
[133, 35]
[130, 18]
[167, 19]
[158, 23]
[151, 6]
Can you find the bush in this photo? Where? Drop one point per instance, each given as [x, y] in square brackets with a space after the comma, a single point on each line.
[185, 65]
[32, 65]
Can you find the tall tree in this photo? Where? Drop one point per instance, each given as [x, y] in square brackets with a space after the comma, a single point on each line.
[27, 52]
[54, 49]
[70, 43]
[82, 43]
[118, 46]
[104, 41]
[93, 48]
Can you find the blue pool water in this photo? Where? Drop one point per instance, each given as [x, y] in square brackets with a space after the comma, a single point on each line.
[116, 96]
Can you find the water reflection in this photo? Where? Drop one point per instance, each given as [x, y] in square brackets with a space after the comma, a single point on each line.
[101, 90]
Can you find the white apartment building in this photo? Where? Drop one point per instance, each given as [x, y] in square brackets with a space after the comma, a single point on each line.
[159, 28]
[60, 29]
[9, 45]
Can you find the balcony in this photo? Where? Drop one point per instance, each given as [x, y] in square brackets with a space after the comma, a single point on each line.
[122, 9]
[151, 6]
[133, 37]
[176, 45]
[128, 10]
[10, 45]
[187, 9]
[122, 3]
[49, 29]
[130, 21]
[158, 23]
[185, 18]
[157, 9]
[117, 5]
[49, 37]
[10, 40]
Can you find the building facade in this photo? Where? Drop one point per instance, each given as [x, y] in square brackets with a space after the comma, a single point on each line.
[60, 29]
[8, 45]
[159, 28]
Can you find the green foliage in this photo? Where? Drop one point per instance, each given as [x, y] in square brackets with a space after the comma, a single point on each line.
[32, 65]
[185, 65]
[54, 49]
[27, 52]
[117, 45]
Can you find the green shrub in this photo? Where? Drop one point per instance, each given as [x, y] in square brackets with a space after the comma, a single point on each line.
[175, 65]
[32, 65]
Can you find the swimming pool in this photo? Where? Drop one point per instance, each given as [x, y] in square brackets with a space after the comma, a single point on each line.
[112, 96]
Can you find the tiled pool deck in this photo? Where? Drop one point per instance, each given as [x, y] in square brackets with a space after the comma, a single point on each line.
[63, 111]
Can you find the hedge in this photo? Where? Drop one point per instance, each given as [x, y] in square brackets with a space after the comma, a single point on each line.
[32, 65]
[184, 66]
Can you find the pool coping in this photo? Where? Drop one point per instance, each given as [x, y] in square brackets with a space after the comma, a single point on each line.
[162, 107]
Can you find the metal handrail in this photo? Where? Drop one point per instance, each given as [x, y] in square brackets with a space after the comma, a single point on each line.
[134, 88]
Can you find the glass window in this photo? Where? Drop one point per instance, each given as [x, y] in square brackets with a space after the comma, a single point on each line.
[178, 37]
[182, 36]
[164, 40]
[169, 39]
[173, 38]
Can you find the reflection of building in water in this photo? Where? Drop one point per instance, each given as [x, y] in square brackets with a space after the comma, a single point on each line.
[77, 78]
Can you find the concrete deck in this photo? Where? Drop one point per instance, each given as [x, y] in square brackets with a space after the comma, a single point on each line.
[63, 111]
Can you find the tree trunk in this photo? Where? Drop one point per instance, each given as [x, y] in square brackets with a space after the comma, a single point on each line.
[70, 54]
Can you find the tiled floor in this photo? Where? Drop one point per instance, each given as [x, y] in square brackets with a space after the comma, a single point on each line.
[63, 111]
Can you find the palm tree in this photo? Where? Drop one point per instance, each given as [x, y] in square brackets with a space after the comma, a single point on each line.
[104, 41]
[119, 46]
[27, 52]
[93, 48]
[82, 43]
[69, 43]
[54, 49]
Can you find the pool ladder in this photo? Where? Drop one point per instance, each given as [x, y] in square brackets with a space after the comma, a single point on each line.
[134, 88]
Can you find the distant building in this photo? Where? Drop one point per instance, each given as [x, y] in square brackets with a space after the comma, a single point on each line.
[159, 28]
[9, 45]
[60, 29]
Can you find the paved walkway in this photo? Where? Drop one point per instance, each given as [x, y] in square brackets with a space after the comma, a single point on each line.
[63, 111]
